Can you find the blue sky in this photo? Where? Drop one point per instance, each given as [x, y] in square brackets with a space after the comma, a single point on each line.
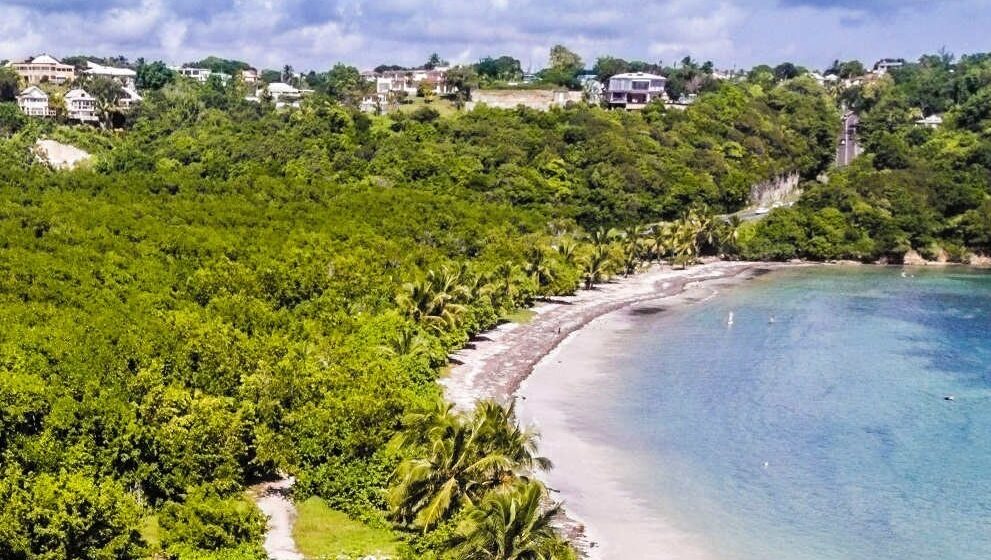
[314, 35]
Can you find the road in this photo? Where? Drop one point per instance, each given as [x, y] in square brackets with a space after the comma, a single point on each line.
[848, 148]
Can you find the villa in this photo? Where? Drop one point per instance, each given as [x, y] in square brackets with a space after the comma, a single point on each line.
[394, 81]
[44, 68]
[34, 103]
[884, 65]
[80, 106]
[634, 90]
[125, 76]
[932, 121]
[249, 76]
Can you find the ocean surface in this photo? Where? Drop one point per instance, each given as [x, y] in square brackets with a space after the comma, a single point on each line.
[818, 425]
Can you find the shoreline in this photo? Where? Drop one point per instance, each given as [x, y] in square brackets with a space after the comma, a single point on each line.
[498, 364]
[495, 363]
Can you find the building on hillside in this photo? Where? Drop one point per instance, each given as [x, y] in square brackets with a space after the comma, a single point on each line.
[80, 106]
[129, 99]
[249, 76]
[44, 68]
[125, 76]
[884, 65]
[282, 95]
[408, 81]
[200, 75]
[932, 121]
[34, 103]
[635, 90]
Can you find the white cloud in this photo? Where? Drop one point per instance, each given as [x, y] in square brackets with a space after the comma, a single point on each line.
[315, 34]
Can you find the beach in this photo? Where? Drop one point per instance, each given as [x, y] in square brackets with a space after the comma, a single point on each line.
[497, 365]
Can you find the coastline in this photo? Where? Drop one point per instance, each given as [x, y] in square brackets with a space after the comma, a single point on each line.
[498, 364]
[495, 363]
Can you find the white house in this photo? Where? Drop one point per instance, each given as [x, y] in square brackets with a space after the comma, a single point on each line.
[125, 76]
[932, 121]
[129, 99]
[394, 81]
[634, 90]
[884, 65]
[249, 76]
[80, 106]
[34, 103]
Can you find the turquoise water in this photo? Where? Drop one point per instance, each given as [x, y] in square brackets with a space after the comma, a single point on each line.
[825, 434]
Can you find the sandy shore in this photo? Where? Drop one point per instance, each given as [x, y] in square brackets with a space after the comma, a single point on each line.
[494, 364]
[587, 477]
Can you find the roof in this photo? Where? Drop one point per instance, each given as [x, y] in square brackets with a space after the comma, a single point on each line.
[132, 95]
[34, 92]
[639, 75]
[44, 59]
[931, 119]
[78, 94]
[99, 69]
[279, 87]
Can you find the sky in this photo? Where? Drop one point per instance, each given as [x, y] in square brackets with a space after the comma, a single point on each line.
[316, 34]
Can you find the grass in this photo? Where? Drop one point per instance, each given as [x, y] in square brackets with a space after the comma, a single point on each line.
[443, 106]
[521, 316]
[323, 533]
[151, 532]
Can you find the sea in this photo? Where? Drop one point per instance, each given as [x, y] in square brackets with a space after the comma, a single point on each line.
[820, 413]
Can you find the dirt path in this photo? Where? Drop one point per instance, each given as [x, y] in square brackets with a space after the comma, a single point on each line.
[274, 501]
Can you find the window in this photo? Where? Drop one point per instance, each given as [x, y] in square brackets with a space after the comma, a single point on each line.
[641, 85]
[656, 84]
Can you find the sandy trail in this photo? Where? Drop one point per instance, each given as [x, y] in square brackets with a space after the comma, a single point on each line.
[274, 501]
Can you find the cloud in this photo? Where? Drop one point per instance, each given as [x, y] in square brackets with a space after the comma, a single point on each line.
[316, 34]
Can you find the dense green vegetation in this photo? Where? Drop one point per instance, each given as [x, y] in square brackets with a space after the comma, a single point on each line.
[229, 292]
[916, 188]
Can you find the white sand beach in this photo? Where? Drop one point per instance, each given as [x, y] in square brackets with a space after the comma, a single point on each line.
[607, 521]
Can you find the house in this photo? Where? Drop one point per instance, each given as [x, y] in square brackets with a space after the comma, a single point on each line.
[34, 103]
[634, 90]
[129, 99]
[201, 75]
[882, 66]
[408, 81]
[283, 95]
[932, 121]
[125, 76]
[80, 106]
[249, 76]
[44, 68]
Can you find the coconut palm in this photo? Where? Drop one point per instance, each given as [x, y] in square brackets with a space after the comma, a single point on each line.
[566, 249]
[596, 266]
[431, 301]
[537, 268]
[512, 524]
[466, 455]
[504, 285]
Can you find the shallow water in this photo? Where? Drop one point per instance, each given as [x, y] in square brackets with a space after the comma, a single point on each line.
[822, 435]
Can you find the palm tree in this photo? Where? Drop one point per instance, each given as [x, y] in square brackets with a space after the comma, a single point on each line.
[566, 250]
[512, 524]
[596, 266]
[504, 285]
[431, 301]
[466, 456]
[537, 268]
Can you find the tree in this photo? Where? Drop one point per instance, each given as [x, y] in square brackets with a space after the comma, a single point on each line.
[10, 83]
[12, 119]
[563, 67]
[608, 66]
[502, 68]
[512, 524]
[434, 61]
[466, 456]
[108, 93]
[462, 79]
[345, 84]
[785, 71]
[153, 75]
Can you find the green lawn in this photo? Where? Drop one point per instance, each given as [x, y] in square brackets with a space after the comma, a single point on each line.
[443, 106]
[521, 316]
[322, 533]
